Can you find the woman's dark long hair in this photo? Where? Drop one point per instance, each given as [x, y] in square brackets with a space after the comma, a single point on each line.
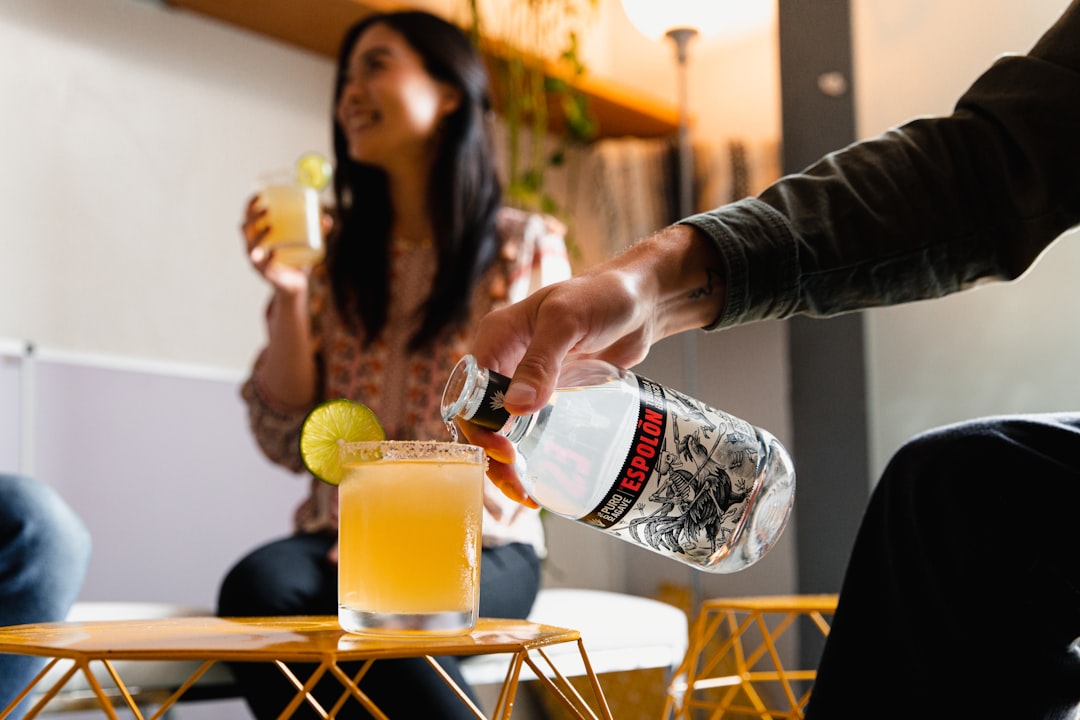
[463, 193]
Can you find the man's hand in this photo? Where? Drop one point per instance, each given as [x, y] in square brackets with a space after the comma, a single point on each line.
[666, 284]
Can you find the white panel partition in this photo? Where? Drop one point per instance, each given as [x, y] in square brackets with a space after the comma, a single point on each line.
[159, 462]
[12, 359]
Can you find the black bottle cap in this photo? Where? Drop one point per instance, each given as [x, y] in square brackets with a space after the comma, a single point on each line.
[490, 413]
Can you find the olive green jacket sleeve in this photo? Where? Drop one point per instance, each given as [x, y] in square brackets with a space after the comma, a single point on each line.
[924, 210]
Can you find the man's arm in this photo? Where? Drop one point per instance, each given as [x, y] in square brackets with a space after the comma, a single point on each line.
[926, 209]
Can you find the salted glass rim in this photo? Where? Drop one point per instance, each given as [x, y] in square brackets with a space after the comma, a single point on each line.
[435, 450]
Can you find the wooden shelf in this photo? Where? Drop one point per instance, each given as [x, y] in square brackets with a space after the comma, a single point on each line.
[318, 25]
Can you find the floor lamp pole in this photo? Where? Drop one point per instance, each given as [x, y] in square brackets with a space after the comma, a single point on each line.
[682, 37]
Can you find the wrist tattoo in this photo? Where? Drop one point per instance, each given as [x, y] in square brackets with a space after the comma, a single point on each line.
[709, 286]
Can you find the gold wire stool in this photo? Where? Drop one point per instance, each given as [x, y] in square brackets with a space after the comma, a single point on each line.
[282, 640]
[734, 663]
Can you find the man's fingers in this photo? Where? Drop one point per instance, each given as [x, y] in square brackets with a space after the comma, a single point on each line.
[537, 372]
[500, 467]
[496, 447]
[507, 480]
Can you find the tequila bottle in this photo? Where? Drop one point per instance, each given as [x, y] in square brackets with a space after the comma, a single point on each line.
[638, 460]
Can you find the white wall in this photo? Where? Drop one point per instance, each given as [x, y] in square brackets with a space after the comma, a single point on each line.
[1002, 347]
[130, 138]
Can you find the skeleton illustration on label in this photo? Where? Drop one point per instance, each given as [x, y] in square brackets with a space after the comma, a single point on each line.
[686, 478]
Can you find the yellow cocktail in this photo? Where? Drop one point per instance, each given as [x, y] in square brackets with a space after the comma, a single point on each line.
[409, 537]
[293, 216]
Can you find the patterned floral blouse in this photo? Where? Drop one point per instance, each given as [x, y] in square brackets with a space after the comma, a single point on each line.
[404, 388]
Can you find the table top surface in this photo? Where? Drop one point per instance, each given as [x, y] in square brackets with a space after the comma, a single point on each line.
[294, 638]
[775, 603]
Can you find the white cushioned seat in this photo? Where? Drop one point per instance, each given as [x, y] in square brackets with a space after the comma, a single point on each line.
[621, 632]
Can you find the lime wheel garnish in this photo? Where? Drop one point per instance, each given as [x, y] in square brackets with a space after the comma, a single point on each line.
[327, 427]
[314, 171]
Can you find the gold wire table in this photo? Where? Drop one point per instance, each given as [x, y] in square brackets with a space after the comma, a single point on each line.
[282, 640]
[734, 662]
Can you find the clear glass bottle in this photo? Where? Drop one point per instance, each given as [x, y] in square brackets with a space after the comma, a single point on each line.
[640, 461]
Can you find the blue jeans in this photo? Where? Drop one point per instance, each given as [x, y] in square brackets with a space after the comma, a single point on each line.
[44, 552]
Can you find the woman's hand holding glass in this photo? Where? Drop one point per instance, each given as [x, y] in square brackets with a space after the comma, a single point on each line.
[255, 228]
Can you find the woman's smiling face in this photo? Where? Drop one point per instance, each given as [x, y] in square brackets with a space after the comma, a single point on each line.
[390, 107]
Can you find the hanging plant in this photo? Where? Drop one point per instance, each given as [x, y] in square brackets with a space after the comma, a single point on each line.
[535, 60]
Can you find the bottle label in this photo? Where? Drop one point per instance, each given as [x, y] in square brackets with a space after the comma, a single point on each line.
[640, 462]
[686, 477]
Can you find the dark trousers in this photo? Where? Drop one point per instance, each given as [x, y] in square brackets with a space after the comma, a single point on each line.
[962, 594]
[292, 577]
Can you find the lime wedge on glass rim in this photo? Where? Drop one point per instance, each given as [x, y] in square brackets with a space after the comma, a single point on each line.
[329, 425]
[314, 170]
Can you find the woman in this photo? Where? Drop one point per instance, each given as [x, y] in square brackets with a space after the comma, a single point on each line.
[420, 249]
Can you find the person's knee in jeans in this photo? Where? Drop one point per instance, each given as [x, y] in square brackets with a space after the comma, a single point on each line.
[44, 552]
[44, 555]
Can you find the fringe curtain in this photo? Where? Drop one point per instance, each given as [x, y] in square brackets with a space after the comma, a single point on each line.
[734, 170]
[629, 187]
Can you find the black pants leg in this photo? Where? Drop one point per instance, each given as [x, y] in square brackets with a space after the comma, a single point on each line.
[292, 577]
[962, 595]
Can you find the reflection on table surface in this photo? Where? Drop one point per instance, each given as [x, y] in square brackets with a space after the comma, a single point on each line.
[270, 638]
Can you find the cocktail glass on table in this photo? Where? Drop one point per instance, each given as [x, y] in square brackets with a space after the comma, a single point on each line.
[409, 537]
